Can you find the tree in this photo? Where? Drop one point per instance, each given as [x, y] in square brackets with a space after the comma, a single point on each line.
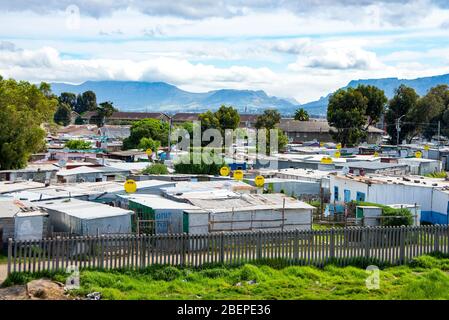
[104, 110]
[148, 143]
[146, 128]
[87, 101]
[268, 120]
[24, 107]
[375, 105]
[69, 99]
[209, 121]
[79, 120]
[403, 103]
[63, 115]
[346, 112]
[78, 145]
[228, 118]
[432, 109]
[301, 115]
[187, 167]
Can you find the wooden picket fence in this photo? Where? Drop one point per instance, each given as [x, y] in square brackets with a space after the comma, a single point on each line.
[395, 245]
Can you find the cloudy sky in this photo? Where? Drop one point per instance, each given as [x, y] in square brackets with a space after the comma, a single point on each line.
[289, 48]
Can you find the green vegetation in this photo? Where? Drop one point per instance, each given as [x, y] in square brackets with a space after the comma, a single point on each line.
[301, 115]
[156, 168]
[24, 107]
[62, 115]
[3, 259]
[148, 143]
[269, 120]
[154, 129]
[426, 277]
[399, 217]
[441, 174]
[351, 111]
[78, 145]
[87, 101]
[209, 162]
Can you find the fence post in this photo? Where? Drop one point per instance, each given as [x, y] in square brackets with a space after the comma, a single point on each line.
[259, 245]
[366, 232]
[436, 235]
[9, 255]
[222, 247]
[183, 248]
[402, 245]
[296, 246]
[332, 244]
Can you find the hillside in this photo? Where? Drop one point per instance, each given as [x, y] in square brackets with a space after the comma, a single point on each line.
[421, 85]
[160, 96]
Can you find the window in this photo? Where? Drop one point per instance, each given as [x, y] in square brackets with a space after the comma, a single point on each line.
[360, 196]
[336, 193]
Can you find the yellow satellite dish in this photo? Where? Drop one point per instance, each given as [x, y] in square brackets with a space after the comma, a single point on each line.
[149, 152]
[130, 186]
[224, 171]
[338, 146]
[418, 154]
[426, 147]
[238, 175]
[376, 154]
[321, 144]
[337, 154]
[259, 181]
[326, 160]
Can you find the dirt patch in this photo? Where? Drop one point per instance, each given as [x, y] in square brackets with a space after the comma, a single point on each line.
[41, 289]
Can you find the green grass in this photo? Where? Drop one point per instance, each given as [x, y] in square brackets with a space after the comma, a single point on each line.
[3, 259]
[425, 277]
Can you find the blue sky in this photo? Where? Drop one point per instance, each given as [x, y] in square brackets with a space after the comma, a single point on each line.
[295, 49]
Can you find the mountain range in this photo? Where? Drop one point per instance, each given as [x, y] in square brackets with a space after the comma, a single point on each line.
[421, 86]
[161, 96]
[164, 97]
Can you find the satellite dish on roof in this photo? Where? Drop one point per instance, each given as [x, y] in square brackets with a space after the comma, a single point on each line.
[345, 170]
[62, 163]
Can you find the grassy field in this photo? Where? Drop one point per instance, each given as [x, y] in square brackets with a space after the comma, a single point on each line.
[426, 277]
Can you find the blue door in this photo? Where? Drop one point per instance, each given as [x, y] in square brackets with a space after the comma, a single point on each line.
[347, 196]
[336, 193]
[360, 196]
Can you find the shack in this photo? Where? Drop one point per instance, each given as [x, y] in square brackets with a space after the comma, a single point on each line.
[85, 218]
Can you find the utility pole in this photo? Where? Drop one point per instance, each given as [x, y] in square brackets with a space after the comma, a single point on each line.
[169, 137]
[439, 127]
[398, 128]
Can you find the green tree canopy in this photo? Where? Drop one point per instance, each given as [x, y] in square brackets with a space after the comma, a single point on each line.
[431, 109]
[228, 118]
[156, 168]
[87, 101]
[269, 119]
[148, 143]
[346, 113]
[104, 110]
[69, 99]
[375, 105]
[301, 115]
[147, 128]
[403, 103]
[23, 108]
[78, 145]
[63, 115]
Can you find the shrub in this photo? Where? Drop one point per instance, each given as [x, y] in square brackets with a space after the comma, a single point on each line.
[78, 145]
[156, 168]
[167, 274]
[399, 217]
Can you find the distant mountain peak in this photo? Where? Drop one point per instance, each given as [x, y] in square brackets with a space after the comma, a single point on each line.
[161, 96]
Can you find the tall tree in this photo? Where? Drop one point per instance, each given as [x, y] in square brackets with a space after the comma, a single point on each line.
[63, 114]
[104, 110]
[268, 119]
[147, 128]
[346, 112]
[68, 98]
[301, 115]
[23, 108]
[432, 109]
[87, 101]
[403, 103]
[227, 117]
[375, 105]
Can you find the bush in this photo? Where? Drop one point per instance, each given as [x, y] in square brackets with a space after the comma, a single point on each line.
[167, 274]
[399, 217]
[156, 168]
[187, 166]
[78, 145]
[441, 174]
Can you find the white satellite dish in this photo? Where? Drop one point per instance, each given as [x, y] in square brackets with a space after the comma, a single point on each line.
[345, 170]
[62, 163]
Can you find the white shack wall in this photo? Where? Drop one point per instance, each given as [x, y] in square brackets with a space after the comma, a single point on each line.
[29, 228]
